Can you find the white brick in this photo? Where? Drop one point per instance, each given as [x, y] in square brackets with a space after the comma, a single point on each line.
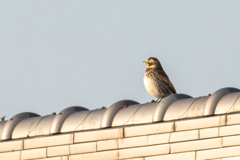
[209, 133]
[132, 142]
[148, 129]
[107, 145]
[34, 153]
[12, 145]
[229, 130]
[98, 135]
[83, 148]
[184, 136]
[231, 158]
[158, 139]
[58, 151]
[231, 141]
[198, 123]
[218, 153]
[233, 119]
[196, 145]
[135, 159]
[143, 151]
[106, 155]
[178, 156]
[55, 158]
[10, 155]
[55, 140]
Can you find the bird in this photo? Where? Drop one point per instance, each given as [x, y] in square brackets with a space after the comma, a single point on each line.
[156, 81]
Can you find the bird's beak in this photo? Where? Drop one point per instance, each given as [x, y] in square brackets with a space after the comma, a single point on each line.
[144, 62]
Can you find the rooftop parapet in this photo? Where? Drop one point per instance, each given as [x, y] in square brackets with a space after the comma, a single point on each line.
[71, 119]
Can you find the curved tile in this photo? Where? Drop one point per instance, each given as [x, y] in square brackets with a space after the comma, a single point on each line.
[93, 120]
[112, 110]
[84, 120]
[164, 104]
[61, 117]
[73, 121]
[35, 126]
[2, 124]
[228, 104]
[186, 108]
[12, 123]
[214, 99]
[135, 114]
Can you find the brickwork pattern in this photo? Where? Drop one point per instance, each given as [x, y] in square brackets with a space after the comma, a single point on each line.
[205, 138]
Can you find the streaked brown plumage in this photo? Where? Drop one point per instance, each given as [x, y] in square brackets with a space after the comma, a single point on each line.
[156, 80]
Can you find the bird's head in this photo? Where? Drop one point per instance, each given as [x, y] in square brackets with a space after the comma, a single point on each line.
[153, 62]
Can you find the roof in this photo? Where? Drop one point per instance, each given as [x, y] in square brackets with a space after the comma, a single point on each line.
[77, 118]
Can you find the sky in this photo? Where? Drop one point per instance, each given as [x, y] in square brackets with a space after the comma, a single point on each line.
[55, 54]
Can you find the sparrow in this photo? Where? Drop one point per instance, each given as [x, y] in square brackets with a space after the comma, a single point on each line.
[156, 80]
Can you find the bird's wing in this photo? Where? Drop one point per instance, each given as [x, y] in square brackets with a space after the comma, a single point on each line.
[163, 77]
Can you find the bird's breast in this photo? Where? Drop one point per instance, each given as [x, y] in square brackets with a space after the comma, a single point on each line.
[152, 85]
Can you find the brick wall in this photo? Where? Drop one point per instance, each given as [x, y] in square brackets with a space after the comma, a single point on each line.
[177, 128]
[214, 137]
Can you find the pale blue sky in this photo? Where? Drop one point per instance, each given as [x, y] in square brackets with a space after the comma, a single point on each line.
[55, 54]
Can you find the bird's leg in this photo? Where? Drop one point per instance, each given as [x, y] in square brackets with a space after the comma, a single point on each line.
[157, 99]
[160, 99]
